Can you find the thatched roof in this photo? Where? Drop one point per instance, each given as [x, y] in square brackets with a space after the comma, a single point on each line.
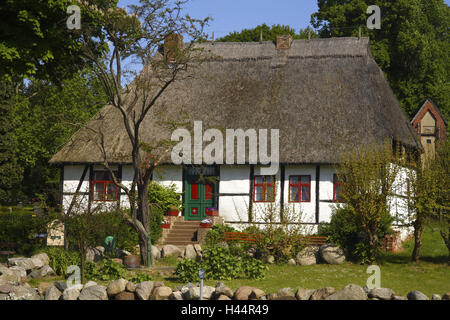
[323, 95]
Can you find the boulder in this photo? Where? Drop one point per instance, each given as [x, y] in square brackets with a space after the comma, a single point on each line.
[125, 296]
[5, 288]
[90, 283]
[35, 274]
[161, 293]
[194, 293]
[381, 293]
[176, 295]
[198, 250]
[446, 296]
[96, 292]
[257, 294]
[322, 293]
[170, 250]
[52, 293]
[292, 262]
[42, 288]
[223, 297]
[398, 298]
[242, 293]
[270, 259]
[72, 293]
[144, 290]
[47, 271]
[156, 253]
[25, 263]
[350, 292]
[23, 292]
[95, 254]
[130, 287]
[116, 287]
[332, 254]
[19, 271]
[272, 296]
[436, 297]
[222, 289]
[304, 294]
[39, 260]
[285, 292]
[309, 255]
[4, 296]
[416, 295]
[185, 290]
[61, 285]
[9, 275]
[189, 252]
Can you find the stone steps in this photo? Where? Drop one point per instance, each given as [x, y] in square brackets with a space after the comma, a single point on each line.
[183, 233]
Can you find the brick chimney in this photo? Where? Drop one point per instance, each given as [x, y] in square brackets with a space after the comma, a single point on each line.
[284, 42]
[172, 44]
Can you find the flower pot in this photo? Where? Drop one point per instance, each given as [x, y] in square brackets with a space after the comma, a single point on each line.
[212, 212]
[172, 213]
[131, 262]
[165, 225]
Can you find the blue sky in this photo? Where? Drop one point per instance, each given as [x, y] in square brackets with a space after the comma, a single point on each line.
[235, 15]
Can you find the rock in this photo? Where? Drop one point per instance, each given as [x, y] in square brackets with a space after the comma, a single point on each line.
[291, 262]
[272, 296]
[23, 292]
[47, 271]
[436, 297]
[322, 293]
[157, 284]
[95, 254]
[35, 274]
[156, 253]
[116, 287]
[39, 260]
[194, 293]
[42, 288]
[25, 263]
[416, 295]
[170, 250]
[270, 259]
[21, 272]
[350, 292]
[256, 294]
[304, 294]
[90, 283]
[8, 275]
[72, 293]
[189, 252]
[332, 254]
[176, 295]
[161, 293]
[222, 289]
[198, 250]
[223, 297]
[130, 287]
[309, 255]
[52, 293]
[398, 298]
[5, 288]
[96, 292]
[381, 293]
[125, 296]
[61, 285]
[4, 296]
[144, 290]
[185, 290]
[446, 296]
[285, 292]
[242, 293]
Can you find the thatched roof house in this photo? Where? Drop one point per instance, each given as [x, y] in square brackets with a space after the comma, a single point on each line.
[323, 95]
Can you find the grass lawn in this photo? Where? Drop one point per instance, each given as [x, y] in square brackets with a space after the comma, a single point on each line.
[431, 275]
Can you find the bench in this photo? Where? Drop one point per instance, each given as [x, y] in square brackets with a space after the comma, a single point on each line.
[8, 248]
[253, 237]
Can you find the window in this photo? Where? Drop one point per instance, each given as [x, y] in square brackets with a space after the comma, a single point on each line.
[264, 189]
[103, 187]
[338, 187]
[299, 188]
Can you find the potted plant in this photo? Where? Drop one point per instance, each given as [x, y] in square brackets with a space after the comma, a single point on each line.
[173, 211]
[212, 212]
[207, 223]
[165, 224]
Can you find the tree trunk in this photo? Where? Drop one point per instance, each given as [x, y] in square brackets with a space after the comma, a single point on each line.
[418, 229]
[373, 241]
[143, 217]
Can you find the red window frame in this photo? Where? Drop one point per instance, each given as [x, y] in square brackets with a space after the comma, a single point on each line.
[337, 183]
[105, 194]
[299, 185]
[265, 184]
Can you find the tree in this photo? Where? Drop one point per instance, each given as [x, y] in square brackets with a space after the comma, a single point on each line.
[268, 34]
[139, 36]
[412, 47]
[37, 42]
[368, 175]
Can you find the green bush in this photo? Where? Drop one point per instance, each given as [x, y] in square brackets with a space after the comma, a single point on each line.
[140, 277]
[215, 235]
[60, 259]
[344, 231]
[105, 270]
[220, 264]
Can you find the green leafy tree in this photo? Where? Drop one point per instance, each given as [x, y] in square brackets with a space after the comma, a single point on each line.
[268, 34]
[412, 47]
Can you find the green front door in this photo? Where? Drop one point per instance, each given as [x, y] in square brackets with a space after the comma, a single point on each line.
[200, 194]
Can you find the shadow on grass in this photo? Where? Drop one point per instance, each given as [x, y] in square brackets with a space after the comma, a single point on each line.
[404, 258]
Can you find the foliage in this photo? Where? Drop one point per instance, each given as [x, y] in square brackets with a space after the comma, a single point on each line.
[60, 259]
[412, 47]
[220, 264]
[141, 277]
[344, 231]
[268, 34]
[215, 234]
[105, 270]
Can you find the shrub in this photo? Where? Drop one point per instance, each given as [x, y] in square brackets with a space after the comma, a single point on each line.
[107, 269]
[347, 234]
[60, 259]
[140, 277]
[253, 268]
[215, 235]
[187, 270]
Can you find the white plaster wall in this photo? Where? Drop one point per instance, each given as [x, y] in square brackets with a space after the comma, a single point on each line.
[234, 179]
[169, 175]
[234, 208]
[72, 176]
